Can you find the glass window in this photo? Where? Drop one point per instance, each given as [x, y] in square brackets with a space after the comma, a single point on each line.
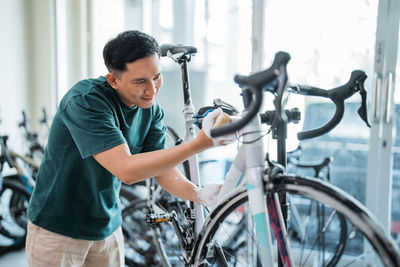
[61, 35]
[107, 20]
[395, 223]
[94, 29]
[221, 32]
[325, 46]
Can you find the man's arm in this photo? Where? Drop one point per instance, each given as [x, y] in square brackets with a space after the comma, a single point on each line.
[174, 182]
[134, 168]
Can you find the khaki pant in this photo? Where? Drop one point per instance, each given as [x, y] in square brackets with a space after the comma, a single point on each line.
[45, 248]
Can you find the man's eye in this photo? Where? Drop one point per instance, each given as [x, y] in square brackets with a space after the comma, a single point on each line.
[139, 82]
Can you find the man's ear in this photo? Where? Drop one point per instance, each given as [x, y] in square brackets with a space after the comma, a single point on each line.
[111, 79]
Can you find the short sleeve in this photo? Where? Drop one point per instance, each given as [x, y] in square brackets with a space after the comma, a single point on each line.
[155, 138]
[91, 124]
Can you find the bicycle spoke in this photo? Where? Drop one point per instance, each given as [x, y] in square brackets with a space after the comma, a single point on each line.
[232, 239]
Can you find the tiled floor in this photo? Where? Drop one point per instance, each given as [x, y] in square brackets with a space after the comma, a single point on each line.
[14, 259]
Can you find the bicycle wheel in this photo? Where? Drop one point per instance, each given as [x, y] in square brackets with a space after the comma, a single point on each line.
[142, 241]
[311, 224]
[139, 246]
[366, 241]
[316, 227]
[13, 216]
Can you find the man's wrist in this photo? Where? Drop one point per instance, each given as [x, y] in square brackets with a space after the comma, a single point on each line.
[202, 142]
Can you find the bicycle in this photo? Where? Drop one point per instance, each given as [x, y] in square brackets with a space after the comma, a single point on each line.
[24, 165]
[14, 199]
[34, 155]
[252, 245]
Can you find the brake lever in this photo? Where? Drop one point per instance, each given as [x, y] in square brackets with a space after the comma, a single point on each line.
[362, 111]
[280, 89]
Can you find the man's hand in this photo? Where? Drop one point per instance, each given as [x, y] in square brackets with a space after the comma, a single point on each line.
[208, 195]
[174, 182]
[209, 123]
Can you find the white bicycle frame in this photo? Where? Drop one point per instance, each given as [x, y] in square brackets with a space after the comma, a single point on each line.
[249, 162]
[194, 169]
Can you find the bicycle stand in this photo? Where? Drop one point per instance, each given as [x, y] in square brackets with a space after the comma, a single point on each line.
[280, 134]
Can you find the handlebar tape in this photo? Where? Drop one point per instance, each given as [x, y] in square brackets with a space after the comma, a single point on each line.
[260, 79]
[325, 128]
[337, 95]
[255, 83]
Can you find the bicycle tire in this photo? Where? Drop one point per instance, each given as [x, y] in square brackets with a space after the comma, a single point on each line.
[365, 227]
[13, 218]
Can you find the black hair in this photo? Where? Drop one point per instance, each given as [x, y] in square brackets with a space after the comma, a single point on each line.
[127, 47]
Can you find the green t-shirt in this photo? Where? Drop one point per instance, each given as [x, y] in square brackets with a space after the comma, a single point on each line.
[74, 195]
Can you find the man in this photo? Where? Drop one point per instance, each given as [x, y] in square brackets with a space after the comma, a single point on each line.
[106, 131]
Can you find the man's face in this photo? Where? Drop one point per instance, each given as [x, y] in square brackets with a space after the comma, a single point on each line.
[139, 84]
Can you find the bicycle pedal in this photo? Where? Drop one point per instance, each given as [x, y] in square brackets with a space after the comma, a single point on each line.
[154, 218]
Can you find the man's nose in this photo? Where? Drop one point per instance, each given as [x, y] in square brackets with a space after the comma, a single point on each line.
[151, 88]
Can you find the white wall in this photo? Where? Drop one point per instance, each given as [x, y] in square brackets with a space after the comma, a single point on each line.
[14, 64]
[26, 69]
[41, 55]
[28, 47]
